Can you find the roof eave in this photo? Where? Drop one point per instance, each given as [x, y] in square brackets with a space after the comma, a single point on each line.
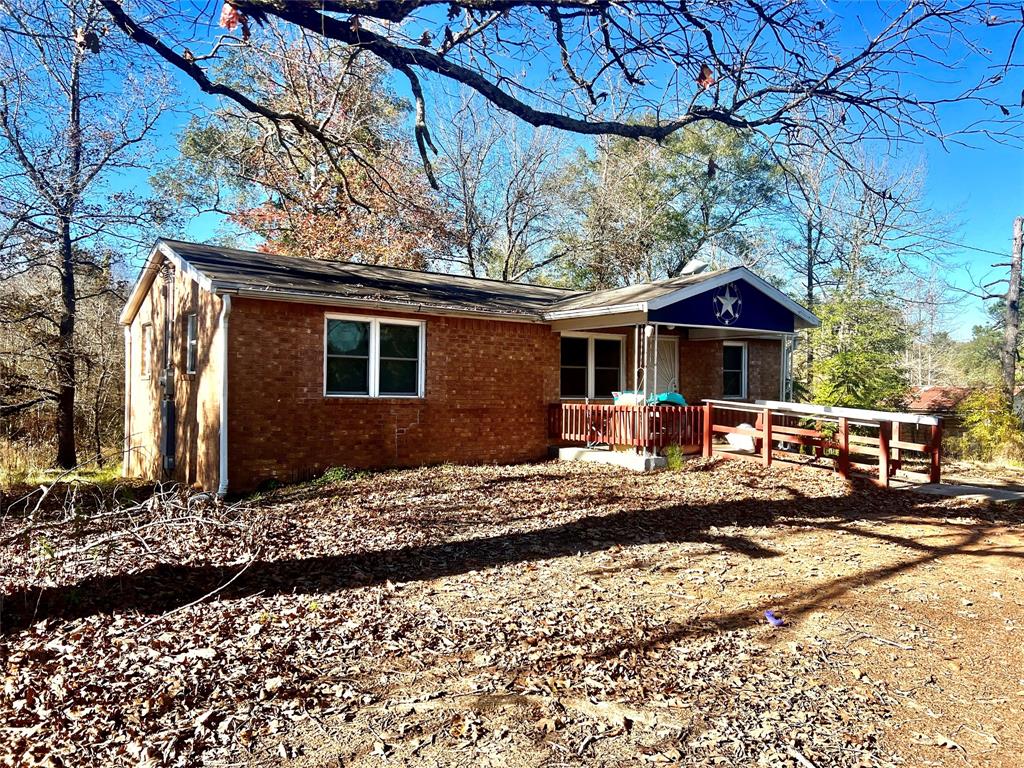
[425, 308]
[148, 274]
[610, 309]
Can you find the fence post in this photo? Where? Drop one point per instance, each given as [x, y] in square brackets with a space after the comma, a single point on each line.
[935, 455]
[707, 430]
[766, 440]
[844, 448]
[884, 429]
[897, 452]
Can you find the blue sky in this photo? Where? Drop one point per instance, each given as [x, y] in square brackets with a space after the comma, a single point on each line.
[980, 186]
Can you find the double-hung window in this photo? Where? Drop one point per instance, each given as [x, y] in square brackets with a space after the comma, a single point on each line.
[591, 366]
[734, 370]
[373, 357]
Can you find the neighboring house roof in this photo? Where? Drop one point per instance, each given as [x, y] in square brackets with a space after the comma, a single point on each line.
[934, 399]
[251, 273]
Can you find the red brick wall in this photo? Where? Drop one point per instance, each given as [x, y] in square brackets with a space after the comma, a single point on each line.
[700, 369]
[488, 385]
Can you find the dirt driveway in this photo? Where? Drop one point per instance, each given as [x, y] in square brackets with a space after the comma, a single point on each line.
[535, 615]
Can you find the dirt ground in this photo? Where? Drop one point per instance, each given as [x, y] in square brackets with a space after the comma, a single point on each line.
[542, 615]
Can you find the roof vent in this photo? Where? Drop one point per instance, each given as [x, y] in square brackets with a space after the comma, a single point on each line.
[693, 267]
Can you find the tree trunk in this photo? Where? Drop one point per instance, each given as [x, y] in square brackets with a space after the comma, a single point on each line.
[1011, 315]
[66, 353]
[66, 454]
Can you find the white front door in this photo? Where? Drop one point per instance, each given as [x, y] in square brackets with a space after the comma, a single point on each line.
[663, 377]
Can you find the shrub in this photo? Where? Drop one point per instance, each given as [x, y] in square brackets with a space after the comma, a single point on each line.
[992, 430]
[674, 458]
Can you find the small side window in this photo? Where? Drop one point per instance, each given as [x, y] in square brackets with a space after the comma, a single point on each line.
[192, 342]
[146, 350]
[734, 371]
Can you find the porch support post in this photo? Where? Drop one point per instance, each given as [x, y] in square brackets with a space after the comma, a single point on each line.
[707, 429]
[636, 358]
[935, 455]
[655, 390]
[766, 440]
[843, 463]
[884, 431]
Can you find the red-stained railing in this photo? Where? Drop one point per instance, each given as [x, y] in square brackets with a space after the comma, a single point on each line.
[773, 427]
[641, 426]
[795, 424]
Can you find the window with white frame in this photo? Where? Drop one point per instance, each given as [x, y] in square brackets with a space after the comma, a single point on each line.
[373, 357]
[191, 341]
[591, 366]
[146, 350]
[734, 370]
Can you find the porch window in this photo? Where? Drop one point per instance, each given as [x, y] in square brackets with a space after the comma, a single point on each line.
[372, 357]
[734, 370]
[575, 355]
[607, 367]
[591, 366]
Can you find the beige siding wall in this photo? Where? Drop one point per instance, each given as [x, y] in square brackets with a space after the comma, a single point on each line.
[196, 396]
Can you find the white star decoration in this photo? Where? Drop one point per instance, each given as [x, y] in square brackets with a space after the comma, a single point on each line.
[727, 304]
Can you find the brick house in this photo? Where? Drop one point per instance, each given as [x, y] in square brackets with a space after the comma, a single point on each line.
[244, 366]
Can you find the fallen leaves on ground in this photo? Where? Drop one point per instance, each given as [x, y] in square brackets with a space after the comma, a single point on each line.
[516, 615]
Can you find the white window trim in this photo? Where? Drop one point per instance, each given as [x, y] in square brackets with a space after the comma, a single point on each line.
[590, 361]
[374, 361]
[191, 342]
[742, 345]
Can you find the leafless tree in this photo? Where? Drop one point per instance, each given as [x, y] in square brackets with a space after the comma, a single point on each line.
[859, 225]
[502, 184]
[930, 302]
[618, 207]
[775, 67]
[71, 118]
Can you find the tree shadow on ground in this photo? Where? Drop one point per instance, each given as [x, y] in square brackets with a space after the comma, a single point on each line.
[164, 587]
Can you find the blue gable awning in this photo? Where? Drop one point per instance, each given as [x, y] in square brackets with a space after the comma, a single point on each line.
[737, 304]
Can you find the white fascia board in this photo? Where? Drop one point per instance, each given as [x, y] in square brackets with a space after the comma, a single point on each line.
[611, 309]
[148, 273]
[730, 276]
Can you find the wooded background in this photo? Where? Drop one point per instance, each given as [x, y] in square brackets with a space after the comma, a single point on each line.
[586, 144]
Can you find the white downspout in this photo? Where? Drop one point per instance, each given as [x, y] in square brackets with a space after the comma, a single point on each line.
[127, 446]
[225, 310]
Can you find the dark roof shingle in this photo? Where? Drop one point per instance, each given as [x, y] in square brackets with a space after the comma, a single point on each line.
[255, 271]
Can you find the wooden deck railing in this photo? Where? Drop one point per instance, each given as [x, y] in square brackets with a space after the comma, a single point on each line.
[826, 431]
[777, 428]
[639, 426]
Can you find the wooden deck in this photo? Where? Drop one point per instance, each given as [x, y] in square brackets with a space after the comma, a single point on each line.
[877, 442]
[845, 435]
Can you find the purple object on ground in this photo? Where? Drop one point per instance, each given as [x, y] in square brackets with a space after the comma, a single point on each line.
[775, 621]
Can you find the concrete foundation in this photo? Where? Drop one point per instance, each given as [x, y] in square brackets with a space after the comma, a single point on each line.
[626, 459]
